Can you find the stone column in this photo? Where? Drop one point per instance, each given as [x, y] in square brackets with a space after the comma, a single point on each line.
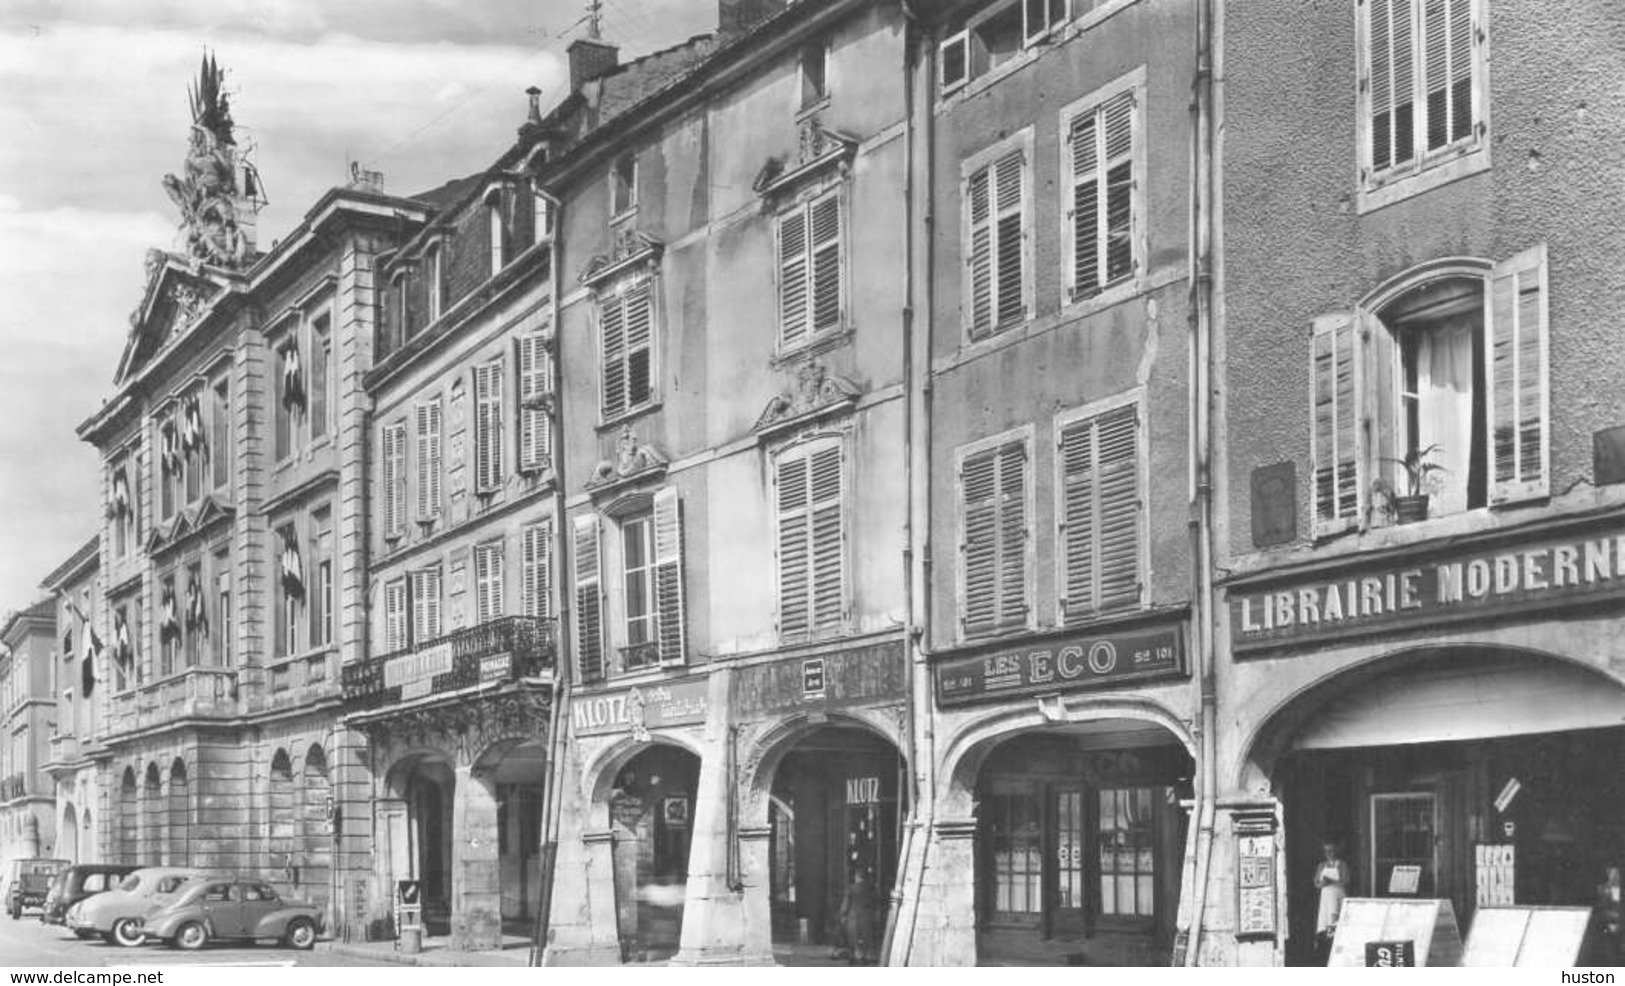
[945, 915]
[583, 930]
[755, 869]
[476, 898]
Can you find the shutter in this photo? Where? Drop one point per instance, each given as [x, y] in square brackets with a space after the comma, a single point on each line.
[1118, 137]
[1078, 525]
[537, 561]
[1336, 447]
[1118, 485]
[639, 345]
[488, 581]
[1517, 375]
[794, 562]
[488, 426]
[612, 326]
[979, 251]
[828, 538]
[1391, 81]
[432, 476]
[978, 549]
[668, 560]
[1447, 66]
[386, 480]
[422, 414]
[793, 279]
[1085, 150]
[1012, 462]
[826, 262]
[1011, 305]
[535, 370]
[395, 615]
[588, 601]
[395, 477]
[1463, 39]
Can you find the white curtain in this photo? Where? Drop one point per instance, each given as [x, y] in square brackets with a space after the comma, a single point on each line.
[1444, 384]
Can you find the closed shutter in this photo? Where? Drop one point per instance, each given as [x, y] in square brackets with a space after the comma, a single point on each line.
[425, 586]
[488, 427]
[793, 279]
[488, 581]
[993, 546]
[589, 600]
[1101, 510]
[1336, 441]
[1101, 147]
[428, 451]
[996, 256]
[1447, 32]
[794, 523]
[395, 615]
[394, 477]
[1390, 81]
[1517, 374]
[538, 568]
[824, 234]
[668, 558]
[639, 345]
[612, 328]
[535, 382]
[812, 541]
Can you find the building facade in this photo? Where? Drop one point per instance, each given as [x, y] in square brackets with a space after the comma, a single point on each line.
[27, 666]
[80, 672]
[1420, 524]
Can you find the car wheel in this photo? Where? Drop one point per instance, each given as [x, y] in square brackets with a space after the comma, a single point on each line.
[127, 932]
[301, 933]
[191, 936]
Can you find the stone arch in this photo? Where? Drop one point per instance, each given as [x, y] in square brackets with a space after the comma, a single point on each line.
[315, 828]
[598, 775]
[178, 816]
[67, 841]
[152, 816]
[777, 741]
[281, 816]
[127, 831]
[964, 751]
[87, 839]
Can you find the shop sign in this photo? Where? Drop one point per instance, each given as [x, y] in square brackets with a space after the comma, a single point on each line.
[1067, 664]
[495, 667]
[1390, 954]
[414, 673]
[1459, 587]
[638, 709]
[873, 675]
[862, 790]
[1496, 874]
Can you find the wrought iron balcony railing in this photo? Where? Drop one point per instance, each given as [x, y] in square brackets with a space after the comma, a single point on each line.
[505, 649]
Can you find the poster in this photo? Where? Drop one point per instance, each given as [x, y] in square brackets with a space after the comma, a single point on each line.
[1496, 874]
[1255, 886]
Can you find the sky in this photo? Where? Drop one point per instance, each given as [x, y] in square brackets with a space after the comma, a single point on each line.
[93, 109]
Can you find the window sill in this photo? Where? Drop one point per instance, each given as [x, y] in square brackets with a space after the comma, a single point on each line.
[813, 108]
[1113, 294]
[623, 217]
[826, 341]
[1430, 175]
[627, 417]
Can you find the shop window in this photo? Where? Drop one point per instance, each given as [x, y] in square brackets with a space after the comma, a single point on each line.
[1100, 512]
[997, 243]
[1403, 836]
[1016, 845]
[1127, 852]
[810, 271]
[809, 487]
[994, 535]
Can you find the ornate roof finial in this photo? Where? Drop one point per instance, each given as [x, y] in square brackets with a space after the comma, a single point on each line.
[209, 193]
[595, 19]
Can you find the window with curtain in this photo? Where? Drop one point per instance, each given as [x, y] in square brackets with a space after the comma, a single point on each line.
[1127, 841]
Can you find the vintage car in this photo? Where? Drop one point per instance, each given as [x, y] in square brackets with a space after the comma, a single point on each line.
[76, 883]
[28, 880]
[117, 915]
[233, 909]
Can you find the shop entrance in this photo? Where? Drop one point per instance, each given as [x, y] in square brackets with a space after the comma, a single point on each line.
[427, 787]
[1080, 840]
[651, 812]
[516, 776]
[833, 815]
[1469, 799]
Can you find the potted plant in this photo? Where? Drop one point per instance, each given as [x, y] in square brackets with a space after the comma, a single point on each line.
[1412, 505]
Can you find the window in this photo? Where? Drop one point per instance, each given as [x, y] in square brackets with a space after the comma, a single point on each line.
[637, 600]
[286, 395]
[953, 60]
[168, 626]
[321, 353]
[994, 486]
[428, 456]
[289, 588]
[496, 231]
[1456, 365]
[393, 466]
[1422, 89]
[488, 581]
[623, 185]
[541, 219]
[626, 323]
[168, 467]
[535, 384]
[809, 270]
[1101, 155]
[589, 600]
[193, 447]
[488, 427]
[124, 520]
[436, 285]
[1127, 852]
[395, 616]
[537, 564]
[1100, 512]
[321, 589]
[996, 38]
[425, 586]
[196, 617]
[223, 616]
[402, 304]
[220, 439]
[1016, 842]
[996, 283]
[811, 539]
[814, 62]
[1039, 17]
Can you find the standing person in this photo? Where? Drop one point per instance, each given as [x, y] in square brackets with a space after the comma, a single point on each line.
[1331, 879]
[858, 918]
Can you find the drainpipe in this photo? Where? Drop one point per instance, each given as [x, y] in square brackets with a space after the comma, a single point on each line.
[557, 718]
[1201, 465]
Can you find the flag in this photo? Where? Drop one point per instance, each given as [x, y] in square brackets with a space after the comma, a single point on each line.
[293, 386]
[293, 581]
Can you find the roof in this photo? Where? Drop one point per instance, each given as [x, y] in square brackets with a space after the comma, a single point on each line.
[449, 194]
[87, 553]
[43, 611]
[632, 83]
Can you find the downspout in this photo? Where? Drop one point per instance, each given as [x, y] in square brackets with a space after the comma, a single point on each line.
[553, 805]
[1201, 466]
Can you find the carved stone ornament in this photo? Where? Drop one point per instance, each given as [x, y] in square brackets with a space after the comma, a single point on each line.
[628, 248]
[632, 461]
[817, 147]
[470, 725]
[816, 392]
[207, 192]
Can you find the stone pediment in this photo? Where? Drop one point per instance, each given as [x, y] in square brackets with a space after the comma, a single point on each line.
[208, 512]
[816, 393]
[632, 463]
[818, 149]
[176, 297]
[629, 250]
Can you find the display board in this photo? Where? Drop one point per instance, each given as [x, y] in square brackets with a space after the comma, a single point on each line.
[1505, 937]
[1429, 924]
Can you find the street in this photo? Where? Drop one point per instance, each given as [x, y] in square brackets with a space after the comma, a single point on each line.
[27, 942]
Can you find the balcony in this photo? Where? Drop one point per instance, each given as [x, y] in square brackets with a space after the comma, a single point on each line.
[199, 692]
[503, 650]
[13, 787]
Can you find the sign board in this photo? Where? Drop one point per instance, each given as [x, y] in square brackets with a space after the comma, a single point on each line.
[1390, 954]
[1526, 936]
[1448, 587]
[1255, 886]
[873, 675]
[1430, 925]
[409, 892]
[495, 667]
[421, 666]
[1495, 874]
[1404, 878]
[679, 702]
[862, 790]
[1060, 665]
[1504, 799]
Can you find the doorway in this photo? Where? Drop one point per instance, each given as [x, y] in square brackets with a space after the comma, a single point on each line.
[651, 812]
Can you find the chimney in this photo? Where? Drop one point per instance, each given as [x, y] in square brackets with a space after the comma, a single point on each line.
[735, 17]
[590, 58]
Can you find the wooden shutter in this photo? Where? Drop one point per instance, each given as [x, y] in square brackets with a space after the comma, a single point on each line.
[1008, 235]
[535, 382]
[538, 568]
[979, 253]
[612, 326]
[394, 477]
[1101, 147]
[639, 344]
[1447, 65]
[993, 544]
[1337, 446]
[428, 452]
[1390, 85]
[1101, 511]
[828, 537]
[488, 426]
[395, 615]
[794, 523]
[995, 252]
[824, 236]
[670, 612]
[589, 600]
[425, 585]
[793, 278]
[1516, 330]
[488, 581]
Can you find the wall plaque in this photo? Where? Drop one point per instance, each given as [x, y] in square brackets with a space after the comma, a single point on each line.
[1061, 664]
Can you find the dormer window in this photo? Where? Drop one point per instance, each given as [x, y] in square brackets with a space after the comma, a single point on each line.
[814, 80]
[495, 229]
[435, 286]
[541, 217]
[623, 185]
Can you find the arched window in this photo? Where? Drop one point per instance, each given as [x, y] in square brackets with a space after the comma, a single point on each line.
[152, 817]
[316, 834]
[127, 831]
[282, 816]
[179, 828]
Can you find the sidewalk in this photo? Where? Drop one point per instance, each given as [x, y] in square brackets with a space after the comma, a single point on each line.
[437, 952]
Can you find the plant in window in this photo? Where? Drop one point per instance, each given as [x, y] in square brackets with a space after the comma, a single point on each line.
[1421, 481]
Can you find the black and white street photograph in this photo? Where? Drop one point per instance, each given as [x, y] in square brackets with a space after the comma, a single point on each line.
[812, 483]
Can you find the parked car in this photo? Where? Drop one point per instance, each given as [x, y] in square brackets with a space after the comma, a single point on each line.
[27, 882]
[117, 915]
[76, 883]
[240, 909]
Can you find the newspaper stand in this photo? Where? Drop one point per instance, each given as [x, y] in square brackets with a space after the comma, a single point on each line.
[409, 916]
